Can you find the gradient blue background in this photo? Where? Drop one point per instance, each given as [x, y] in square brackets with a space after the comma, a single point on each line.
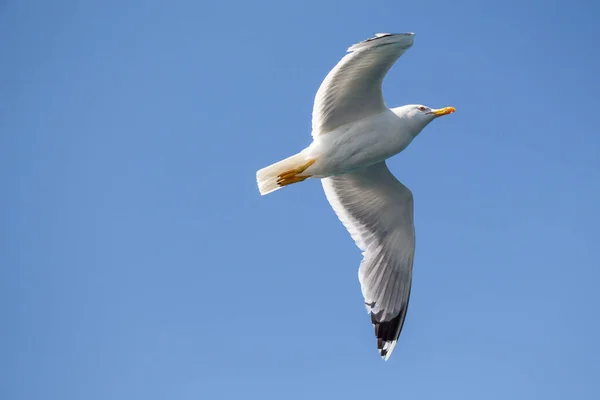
[139, 262]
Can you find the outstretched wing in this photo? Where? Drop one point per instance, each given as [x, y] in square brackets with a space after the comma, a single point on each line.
[377, 210]
[352, 89]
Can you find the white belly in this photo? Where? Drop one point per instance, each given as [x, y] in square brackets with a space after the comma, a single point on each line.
[357, 145]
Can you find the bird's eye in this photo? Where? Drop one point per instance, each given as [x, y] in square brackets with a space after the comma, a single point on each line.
[421, 108]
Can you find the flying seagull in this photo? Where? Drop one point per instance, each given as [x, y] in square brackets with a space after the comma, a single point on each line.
[354, 132]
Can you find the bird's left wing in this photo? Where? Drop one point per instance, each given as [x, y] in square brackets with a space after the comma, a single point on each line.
[377, 210]
[352, 89]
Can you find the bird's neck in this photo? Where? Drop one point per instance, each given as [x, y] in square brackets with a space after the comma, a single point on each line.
[407, 126]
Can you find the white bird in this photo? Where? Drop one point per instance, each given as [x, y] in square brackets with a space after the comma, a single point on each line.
[354, 132]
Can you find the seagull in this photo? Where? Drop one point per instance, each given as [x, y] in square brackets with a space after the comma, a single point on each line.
[354, 133]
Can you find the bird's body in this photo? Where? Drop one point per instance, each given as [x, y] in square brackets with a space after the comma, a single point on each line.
[368, 141]
[354, 132]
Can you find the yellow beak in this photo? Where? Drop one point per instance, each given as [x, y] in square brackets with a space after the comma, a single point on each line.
[443, 111]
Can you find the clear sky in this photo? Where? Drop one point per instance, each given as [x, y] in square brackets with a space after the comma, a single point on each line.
[138, 261]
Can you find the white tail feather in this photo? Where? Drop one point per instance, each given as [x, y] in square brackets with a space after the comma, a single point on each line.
[267, 177]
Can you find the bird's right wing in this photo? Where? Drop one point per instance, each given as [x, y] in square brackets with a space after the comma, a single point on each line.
[377, 210]
[352, 89]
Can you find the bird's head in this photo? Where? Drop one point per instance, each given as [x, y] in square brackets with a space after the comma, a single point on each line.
[418, 116]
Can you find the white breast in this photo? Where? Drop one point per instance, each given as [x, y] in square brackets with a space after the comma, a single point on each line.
[358, 144]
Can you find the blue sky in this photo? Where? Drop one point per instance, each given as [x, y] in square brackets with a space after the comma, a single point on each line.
[137, 259]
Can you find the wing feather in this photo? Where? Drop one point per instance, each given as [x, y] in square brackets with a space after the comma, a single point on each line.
[352, 89]
[377, 210]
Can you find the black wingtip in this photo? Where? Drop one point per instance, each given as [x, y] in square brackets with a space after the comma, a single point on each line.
[382, 39]
[387, 332]
[384, 35]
